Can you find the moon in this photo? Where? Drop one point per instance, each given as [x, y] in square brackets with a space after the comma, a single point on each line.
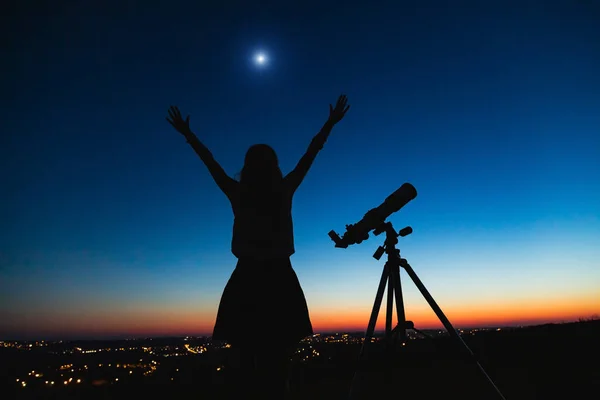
[260, 59]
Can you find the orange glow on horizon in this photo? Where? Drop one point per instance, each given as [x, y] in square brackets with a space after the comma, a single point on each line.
[194, 321]
[517, 312]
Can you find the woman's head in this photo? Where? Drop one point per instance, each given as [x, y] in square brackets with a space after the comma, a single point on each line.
[261, 167]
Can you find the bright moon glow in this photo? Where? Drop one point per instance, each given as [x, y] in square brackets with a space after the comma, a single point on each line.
[260, 59]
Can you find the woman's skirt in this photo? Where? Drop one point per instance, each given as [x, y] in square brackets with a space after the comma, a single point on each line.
[263, 299]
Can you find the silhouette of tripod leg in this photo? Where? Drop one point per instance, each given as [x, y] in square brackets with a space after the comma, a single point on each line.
[400, 313]
[389, 343]
[370, 327]
[377, 305]
[394, 292]
[390, 305]
[442, 317]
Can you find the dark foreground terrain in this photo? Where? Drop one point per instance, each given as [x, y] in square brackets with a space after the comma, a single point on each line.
[555, 361]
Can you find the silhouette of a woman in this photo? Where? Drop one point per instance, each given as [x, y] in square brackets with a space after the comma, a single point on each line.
[263, 293]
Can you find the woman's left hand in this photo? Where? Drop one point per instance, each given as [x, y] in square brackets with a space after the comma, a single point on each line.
[337, 113]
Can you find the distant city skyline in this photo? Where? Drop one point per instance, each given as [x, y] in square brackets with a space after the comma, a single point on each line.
[354, 332]
[321, 367]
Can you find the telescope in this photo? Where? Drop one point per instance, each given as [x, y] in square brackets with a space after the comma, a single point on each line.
[359, 232]
[375, 220]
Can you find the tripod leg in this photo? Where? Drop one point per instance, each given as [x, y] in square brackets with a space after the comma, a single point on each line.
[400, 314]
[377, 304]
[371, 326]
[389, 342]
[440, 314]
[390, 306]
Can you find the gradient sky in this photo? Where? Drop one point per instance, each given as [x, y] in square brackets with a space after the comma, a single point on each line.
[111, 225]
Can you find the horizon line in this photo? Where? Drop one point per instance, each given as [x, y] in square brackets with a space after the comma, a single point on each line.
[338, 331]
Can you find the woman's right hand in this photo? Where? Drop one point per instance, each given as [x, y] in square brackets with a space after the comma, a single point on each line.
[176, 120]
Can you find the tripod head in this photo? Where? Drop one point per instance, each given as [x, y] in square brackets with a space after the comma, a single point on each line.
[391, 239]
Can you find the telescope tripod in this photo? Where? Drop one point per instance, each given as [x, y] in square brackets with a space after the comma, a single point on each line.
[391, 277]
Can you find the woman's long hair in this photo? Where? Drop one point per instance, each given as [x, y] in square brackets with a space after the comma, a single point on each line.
[261, 168]
[261, 178]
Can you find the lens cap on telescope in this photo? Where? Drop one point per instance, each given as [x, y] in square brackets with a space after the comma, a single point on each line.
[405, 231]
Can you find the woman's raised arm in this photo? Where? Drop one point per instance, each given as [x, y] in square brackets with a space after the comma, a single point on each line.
[224, 181]
[296, 176]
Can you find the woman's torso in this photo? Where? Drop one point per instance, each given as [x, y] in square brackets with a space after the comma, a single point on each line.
[262, 227]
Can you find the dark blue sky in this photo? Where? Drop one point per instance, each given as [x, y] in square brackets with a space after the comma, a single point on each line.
[491, 109]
